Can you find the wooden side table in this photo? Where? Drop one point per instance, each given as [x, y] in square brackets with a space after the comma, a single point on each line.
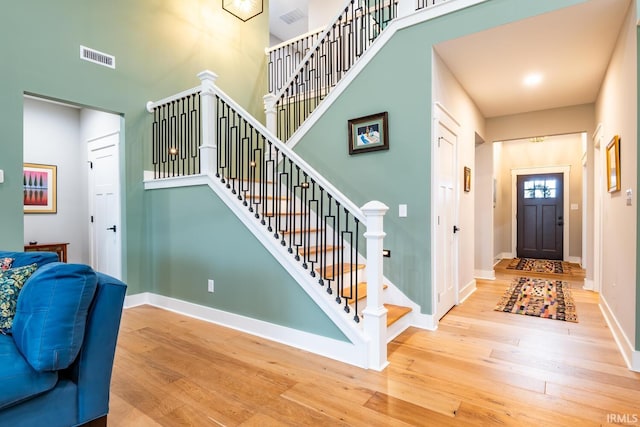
[59, 248]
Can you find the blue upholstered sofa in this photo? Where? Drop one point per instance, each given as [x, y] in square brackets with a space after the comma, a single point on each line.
[57, 358]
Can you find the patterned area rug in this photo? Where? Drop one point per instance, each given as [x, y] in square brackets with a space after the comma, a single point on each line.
[550, 299]
[539, 265]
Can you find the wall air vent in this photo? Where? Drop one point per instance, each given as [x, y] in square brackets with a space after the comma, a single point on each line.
[97, 57]
[293, 16]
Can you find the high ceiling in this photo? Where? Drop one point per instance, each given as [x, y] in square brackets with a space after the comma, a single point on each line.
[569, 48]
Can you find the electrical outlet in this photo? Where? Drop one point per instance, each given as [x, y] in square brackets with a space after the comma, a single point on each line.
[210, 285]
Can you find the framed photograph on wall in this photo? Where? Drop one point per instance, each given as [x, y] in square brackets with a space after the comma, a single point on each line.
[369, 133]
[613, 165]
[40, 188]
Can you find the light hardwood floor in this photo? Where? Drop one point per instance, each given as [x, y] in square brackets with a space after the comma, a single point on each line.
[481, 367]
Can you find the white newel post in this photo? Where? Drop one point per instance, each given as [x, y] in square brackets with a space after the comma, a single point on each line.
[208, 149]
[406, 7]
[270, 112]
[375, 314]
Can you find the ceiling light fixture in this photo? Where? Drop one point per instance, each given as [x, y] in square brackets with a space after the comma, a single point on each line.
[532, 79]
[243, 9]
[537, 139]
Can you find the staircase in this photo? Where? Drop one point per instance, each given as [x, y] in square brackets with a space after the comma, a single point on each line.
[332, 247]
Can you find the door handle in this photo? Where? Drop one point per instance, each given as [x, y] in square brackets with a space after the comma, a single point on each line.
[455, 229]
[112, 228]
[560, 223]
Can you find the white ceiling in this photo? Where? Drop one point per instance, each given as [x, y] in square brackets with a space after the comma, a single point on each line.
[570, 47]
[288, 8]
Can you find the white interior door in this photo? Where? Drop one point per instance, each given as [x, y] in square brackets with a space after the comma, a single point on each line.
[446, 251]
[104, 185]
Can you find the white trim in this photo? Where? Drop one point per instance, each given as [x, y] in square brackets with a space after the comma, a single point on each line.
[424, 321]
[466, 291]
[504, 255]
[135, 300]
[268, 50]
[598, 206]
[565, 171]
[153, 104]
[485, 274]
[177, 181]
[588, 285]
[630, 355]
[328, 347]
[395, 25]
[575, 260]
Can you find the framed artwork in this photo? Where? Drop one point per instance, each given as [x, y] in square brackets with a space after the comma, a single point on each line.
[613, 164]
[467, 179]
[40, 185]
[369, 133]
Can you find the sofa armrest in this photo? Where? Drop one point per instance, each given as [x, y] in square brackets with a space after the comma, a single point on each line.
[92, 370]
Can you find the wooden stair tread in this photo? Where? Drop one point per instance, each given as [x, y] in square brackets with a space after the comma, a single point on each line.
[314, 249]
[395, 313]
[273, 214]
[362, 290]
[345, 268]
[258, 196]
[300, 230]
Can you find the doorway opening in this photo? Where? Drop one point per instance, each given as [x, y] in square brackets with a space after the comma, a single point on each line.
[540, 216]
[69, 137]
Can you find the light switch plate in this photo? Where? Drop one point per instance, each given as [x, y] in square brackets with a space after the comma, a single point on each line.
[402, 211]
[1, 176]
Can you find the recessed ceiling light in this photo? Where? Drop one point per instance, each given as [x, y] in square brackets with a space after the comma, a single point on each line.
[532, 79]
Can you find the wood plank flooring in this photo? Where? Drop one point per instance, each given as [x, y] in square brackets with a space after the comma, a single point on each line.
[480, 368]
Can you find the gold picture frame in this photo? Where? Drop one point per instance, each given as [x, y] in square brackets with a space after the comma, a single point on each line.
[40, 188]
[467, 179]
[613, 165]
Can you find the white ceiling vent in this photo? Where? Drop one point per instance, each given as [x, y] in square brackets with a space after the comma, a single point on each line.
[293, 16]
[97, 57]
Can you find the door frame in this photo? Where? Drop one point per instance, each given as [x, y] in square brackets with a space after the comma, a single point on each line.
[94, 144]
[565, 171]
[441, 116]
[595, 284]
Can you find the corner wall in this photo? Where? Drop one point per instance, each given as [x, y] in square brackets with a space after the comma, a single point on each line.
[617, 110]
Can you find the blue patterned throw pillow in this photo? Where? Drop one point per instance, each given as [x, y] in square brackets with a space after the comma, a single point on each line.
[5, 263]
[11, 282]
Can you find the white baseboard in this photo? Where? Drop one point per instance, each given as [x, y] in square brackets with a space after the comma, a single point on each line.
[505, 255]
[485, 274]
[135, 300]
[466, 291]
[575, 260]
[424, 321]
[341, 351]
[630, 355]
[589, 284]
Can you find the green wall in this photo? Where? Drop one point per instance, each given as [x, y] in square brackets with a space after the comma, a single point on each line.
[195, 237]
[398, 80]
[159, 46]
